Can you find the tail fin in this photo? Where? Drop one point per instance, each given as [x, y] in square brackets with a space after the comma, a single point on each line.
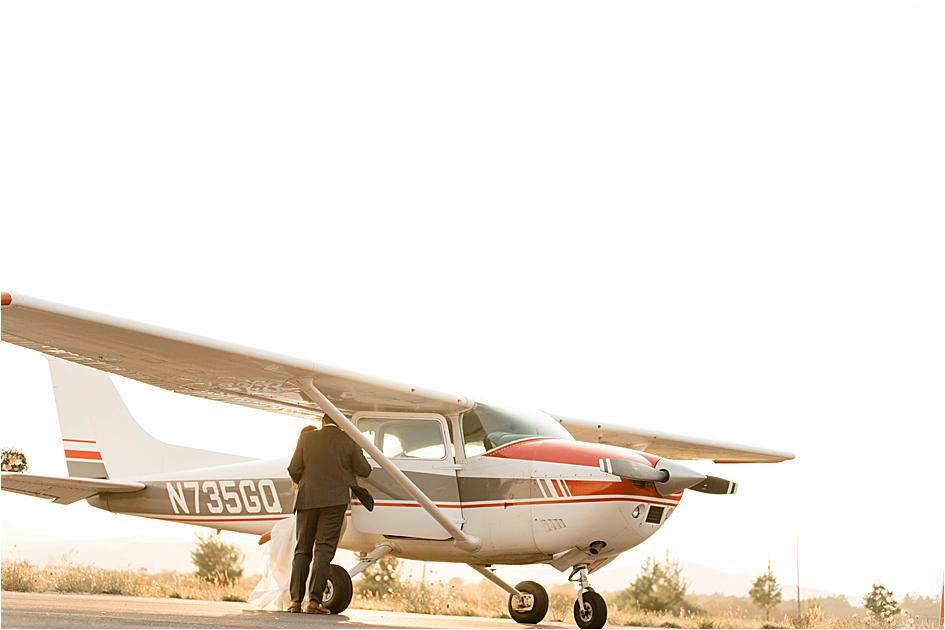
[102, 440]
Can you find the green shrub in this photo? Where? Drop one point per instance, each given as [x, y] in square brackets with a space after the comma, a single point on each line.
[881, 604]
[765, 593]
[380, 579]
[659, 587]
[216, 561]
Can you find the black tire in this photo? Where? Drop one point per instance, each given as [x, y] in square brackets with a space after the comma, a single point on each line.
[539, 608]
[594, 613]
[338, 590]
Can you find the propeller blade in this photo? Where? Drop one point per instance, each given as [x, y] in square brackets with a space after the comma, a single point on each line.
[716, 485]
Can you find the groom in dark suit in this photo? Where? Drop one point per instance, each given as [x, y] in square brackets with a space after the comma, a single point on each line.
[324, 467]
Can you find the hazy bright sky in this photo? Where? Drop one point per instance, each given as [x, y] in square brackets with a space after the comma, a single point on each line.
[721, 219]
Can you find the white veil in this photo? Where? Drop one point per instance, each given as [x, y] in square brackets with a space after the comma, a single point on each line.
[272, 591]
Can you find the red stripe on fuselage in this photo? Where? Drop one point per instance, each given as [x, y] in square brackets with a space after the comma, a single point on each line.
[81, 441]
[582, 487]
[507, 504]
[84, 455]
[558, 451]
[574, 500]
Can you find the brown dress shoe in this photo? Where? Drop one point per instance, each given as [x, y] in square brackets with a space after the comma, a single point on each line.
[314, 608]
[294, 607]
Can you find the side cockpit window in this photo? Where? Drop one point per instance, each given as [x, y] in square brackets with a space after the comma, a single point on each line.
[486, 427]
[401, 438]
[474, 436]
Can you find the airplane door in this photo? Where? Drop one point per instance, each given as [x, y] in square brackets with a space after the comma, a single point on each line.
[418, 443]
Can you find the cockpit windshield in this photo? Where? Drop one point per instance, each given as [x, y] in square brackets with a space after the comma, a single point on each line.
[486, 427]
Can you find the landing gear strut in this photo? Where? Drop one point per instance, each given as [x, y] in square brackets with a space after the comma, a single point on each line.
[528, 601]
[590, 609]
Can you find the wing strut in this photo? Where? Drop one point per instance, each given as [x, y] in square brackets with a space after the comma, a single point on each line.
[489, 574]
[463, 541]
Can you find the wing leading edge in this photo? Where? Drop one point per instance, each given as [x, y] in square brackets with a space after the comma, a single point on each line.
[669, 445]
[202, 367]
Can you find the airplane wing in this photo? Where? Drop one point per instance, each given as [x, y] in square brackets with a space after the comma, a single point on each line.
[206, 368]
[217, 370]
[63, 490]
[669, 445]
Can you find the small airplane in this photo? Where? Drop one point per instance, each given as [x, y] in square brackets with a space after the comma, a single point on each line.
[454, 480]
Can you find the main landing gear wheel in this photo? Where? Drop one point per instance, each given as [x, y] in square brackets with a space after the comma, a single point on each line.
[539, 604]
[338, 590]
[590, 610]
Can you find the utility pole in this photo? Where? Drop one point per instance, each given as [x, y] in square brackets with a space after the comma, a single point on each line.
[797, 558]
[941, 606]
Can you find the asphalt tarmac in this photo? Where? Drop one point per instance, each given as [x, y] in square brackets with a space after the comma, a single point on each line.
[55, 610]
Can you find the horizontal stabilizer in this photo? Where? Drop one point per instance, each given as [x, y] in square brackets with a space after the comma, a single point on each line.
[64, 490]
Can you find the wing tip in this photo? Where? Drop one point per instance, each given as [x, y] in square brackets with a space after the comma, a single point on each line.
[5, 299]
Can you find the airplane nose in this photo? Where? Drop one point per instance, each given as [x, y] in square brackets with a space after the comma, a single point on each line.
[678, 477]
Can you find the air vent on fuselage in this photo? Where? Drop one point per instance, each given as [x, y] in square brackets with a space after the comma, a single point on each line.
[655, 514]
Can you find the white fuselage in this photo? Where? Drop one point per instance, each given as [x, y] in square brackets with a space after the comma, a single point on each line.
[522, 505]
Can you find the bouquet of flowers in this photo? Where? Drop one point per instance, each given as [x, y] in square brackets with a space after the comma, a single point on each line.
[13, 461]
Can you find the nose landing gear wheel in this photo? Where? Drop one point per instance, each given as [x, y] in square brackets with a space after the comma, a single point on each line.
[593, 613]
[539, 607]
[338, 589]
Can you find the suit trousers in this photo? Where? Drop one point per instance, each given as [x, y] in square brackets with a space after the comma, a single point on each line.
[319, 528]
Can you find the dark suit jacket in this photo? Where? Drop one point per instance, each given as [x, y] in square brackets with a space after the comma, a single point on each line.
[324, 465]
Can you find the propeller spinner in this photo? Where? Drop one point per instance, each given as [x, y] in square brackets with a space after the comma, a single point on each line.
[668, 476]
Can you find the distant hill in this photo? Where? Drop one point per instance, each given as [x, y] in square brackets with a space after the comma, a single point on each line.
[705, 580]
[152, 554]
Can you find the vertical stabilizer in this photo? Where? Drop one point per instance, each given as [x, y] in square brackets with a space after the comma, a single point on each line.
[101, 439]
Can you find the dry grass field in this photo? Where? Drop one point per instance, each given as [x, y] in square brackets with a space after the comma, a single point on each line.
[452, 598]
